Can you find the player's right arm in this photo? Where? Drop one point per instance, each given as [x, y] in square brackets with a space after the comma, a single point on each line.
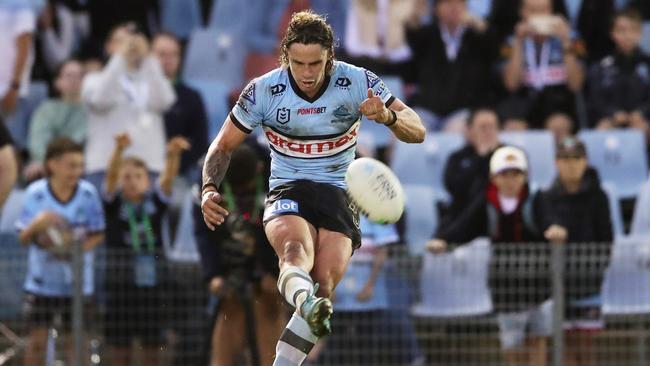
[214, 169]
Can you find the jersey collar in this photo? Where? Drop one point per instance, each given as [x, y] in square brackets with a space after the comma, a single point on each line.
[304, 96]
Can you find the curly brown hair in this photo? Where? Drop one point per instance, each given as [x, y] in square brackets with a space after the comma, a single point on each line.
[307, 27]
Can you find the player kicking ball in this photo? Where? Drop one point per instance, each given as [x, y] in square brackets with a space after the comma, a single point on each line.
[310, 110]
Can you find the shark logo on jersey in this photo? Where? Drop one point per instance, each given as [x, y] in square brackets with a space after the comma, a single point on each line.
[371, 78]
[249, 93]
[278, 89]
[283, 115]
[343, 115]
[343, 83]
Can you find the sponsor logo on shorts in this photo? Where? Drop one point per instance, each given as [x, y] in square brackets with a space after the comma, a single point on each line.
[312, 148]
[281, 207]
[311, 110]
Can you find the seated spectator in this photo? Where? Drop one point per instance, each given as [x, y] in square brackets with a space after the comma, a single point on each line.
[186, 117]
[240, 267]
[560, 125]
[60, 117]
[8, 168]
[52, 207]
[619, 86]
[16, 32]
[375, 35]
[467, 170]
[452, 60]
[507, 212]
[542, 68]
[576, 210]
[136, 265]
[129, 95]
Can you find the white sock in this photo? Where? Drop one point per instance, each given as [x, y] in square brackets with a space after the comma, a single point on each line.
[295, 343]
[294, 285]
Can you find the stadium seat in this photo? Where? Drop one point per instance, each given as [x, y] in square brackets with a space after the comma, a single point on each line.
[180, 17]
[620, 158]
[626, 288]
[421, 216]
[215, 55]
[614, 210]
[425, 163]
[215, 98]
[456, 284]
[223, 15]
[641, 217]
[184, 247]
[540, 149]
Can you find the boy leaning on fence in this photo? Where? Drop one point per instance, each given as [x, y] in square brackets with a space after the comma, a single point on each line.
[135, 267]
[509, 213]
[58, 211]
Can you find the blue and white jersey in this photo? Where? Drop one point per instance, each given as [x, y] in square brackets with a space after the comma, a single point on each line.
[310, 138]
[46, 274]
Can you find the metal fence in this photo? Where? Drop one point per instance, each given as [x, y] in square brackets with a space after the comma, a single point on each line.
[475, 305]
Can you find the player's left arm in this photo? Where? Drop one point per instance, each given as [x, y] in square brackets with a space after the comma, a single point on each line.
[398, 117]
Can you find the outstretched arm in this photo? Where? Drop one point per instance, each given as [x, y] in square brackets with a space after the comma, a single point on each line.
[175, 148]
[122, 141]
[214, 169]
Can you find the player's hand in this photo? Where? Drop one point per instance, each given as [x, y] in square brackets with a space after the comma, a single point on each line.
[177, 145]
[122, 140]
[213, 214]
[437, 246]
[556, 234]
[366, 293]
[374, 109]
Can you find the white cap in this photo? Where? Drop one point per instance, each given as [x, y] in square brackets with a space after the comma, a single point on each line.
[507, 158]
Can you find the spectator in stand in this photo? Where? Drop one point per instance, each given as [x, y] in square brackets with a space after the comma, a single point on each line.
[129, 95]
[507, 212]
[53, 207]
[137, 268]
[591, 20]
[560, 125]
[542, 70]
[8, 168]
[186, 117]
[17, 26]
[468, 169]
[619, 86]
[576, 210]
[60, 117]
[375, 35]
[452, 60]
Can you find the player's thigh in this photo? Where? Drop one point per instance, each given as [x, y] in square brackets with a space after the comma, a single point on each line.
[285, 232]
[333, 252]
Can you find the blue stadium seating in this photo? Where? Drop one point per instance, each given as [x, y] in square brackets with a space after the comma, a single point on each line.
[421, 216]
[626, 289]
[620, 158]
[424, 163]
[614, 210]
[215, 98]
[641, 217]
[540, 149]
[215, 55]
[180, 17]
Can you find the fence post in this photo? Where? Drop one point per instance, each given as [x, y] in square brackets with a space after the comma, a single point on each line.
[77, 301]
[558, 256]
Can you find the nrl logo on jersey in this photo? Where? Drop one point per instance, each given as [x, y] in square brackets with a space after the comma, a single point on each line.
[283, 115]
[371, 78]
[278, 89]
[249, 93]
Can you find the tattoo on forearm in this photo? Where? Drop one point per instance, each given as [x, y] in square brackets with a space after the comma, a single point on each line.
[215, 167]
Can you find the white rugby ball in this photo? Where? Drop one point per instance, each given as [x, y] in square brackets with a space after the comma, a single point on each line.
[375, 189]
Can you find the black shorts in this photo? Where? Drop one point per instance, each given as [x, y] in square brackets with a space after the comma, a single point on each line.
[40, 311]
[322, 205]
[133, 312]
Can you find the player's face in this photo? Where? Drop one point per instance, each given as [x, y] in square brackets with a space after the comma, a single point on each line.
[307, 65]
[626, 34]
[510, 182]
[135, 181]
[67, 168]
